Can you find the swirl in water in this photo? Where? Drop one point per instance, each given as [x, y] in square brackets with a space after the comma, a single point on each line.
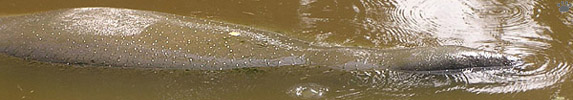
[504, 26]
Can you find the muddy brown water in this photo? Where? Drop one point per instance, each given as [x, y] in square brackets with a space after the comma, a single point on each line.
[533, 30]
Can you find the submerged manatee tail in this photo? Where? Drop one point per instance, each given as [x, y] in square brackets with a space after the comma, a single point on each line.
[449, 58]
[147, 39]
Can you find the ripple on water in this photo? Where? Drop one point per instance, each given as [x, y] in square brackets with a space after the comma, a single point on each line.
[511, 27]
[535, 72]
[480, 24]
[410, 23]
[361, 22]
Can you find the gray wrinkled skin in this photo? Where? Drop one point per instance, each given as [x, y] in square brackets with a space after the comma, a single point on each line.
[147, 39]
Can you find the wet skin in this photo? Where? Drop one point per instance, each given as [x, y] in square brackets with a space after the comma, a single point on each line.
[146, 39]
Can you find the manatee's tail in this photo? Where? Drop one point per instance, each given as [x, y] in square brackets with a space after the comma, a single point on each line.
[448, 58]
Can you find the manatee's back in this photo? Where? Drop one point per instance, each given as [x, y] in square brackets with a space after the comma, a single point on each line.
[125, 37]
[67, 35]
[16, 34]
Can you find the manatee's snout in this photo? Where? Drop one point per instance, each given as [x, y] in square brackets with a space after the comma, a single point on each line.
[452, 58]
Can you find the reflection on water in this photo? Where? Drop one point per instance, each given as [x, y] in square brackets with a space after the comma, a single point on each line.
[531, 29]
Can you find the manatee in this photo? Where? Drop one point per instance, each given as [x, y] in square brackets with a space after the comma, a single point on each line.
[121, 37]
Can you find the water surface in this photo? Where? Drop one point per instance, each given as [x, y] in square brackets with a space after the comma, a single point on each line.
[533, 30]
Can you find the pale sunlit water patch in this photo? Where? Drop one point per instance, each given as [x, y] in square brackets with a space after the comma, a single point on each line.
[481, 24]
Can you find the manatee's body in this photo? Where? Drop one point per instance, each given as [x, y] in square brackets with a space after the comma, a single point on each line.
[147, 39]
